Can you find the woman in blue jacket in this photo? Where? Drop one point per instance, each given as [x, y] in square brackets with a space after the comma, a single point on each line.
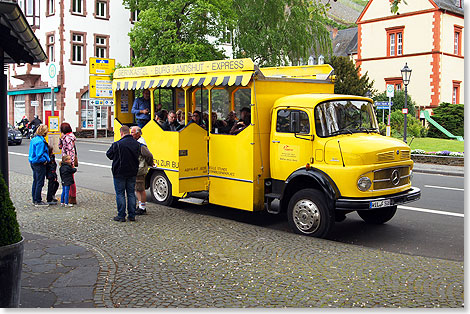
[38, 158]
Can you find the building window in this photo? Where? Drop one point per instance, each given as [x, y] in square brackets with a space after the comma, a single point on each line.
[19, 104]
[456, 92]
[101, 46]
[46, 102]
[30, 9]
[87, 114]
[102, 9]
[50, 47]
[395, 41]
[397, 82]
[135, 16]
[50, 7]
[457, 40]
[227, 36]
[77, 7]
[78, 48]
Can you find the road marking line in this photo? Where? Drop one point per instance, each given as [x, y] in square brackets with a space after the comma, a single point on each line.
[80, 162]
[443, 187]
[97, 151]
[19, 154]
[94, 165]
[431, 211]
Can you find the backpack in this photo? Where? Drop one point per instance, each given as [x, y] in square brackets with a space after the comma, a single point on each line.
[143, 166]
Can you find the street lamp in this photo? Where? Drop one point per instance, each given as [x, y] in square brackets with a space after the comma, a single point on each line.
[405, 75]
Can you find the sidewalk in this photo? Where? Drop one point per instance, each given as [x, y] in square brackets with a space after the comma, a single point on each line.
[177, 257]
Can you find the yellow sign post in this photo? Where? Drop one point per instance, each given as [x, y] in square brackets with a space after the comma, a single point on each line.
[53, 135]
[101, 87]
[101, 66]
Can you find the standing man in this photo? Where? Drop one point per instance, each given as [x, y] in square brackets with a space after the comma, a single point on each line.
[125, 156]
[145, 161]
[141, 108]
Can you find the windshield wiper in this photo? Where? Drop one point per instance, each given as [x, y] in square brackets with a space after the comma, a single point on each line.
[342, 131]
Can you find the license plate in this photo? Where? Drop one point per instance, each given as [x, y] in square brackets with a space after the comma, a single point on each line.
[379, 204]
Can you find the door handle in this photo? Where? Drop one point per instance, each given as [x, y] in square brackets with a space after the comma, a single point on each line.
[276, 141]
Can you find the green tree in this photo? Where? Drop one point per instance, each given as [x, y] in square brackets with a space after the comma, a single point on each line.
[398, 101]
[9, 228]
[176, 31]
[451, 117]
[277, 32]
[348, 81]
[397, 122]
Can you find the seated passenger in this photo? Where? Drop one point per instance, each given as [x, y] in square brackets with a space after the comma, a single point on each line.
[217, 125]
[229, 122]
[196, 118]
[180, 117]
[245, 120]
[160, 118]
[171, 124]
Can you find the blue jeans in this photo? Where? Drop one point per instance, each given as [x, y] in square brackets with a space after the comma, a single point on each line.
[64, 197]
[123, 186]
[39, 175]
[141, 122]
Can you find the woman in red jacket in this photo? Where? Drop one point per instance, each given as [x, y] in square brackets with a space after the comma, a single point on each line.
[67, 144]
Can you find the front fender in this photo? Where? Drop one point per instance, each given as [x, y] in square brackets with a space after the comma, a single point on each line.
[310, 178]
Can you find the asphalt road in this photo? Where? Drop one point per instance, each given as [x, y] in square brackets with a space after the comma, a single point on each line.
[432, 226]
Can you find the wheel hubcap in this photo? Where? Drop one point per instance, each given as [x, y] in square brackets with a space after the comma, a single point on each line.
[306, 216]
[160, 189]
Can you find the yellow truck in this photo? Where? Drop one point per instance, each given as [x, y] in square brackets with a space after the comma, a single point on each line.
[305, 151]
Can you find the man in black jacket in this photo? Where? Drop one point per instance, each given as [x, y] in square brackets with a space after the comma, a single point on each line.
[125, 156]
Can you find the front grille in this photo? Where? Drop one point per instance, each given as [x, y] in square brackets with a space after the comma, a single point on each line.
[391, 178]
[405, 154]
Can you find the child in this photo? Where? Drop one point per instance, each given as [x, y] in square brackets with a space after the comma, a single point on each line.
[66, 175]
[51, 175]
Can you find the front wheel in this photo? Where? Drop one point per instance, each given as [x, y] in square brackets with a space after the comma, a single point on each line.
[378, 216]
[160, 189]
[308, 214]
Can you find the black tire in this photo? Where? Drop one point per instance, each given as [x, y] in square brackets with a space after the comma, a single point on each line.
[160, 189]
[378, 216]
[308, 214]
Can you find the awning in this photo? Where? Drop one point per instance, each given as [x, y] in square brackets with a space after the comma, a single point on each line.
[32, 91]
[216, 79]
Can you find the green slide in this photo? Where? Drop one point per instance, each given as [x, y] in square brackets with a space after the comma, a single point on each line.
[439, 127]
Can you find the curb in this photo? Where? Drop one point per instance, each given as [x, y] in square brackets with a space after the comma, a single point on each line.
[441, 172]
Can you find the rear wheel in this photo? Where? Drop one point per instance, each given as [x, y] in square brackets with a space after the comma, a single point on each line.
[378, 216]
[309, 215]
[160, 188]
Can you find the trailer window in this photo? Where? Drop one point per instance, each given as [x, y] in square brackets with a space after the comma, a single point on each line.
[287, 120]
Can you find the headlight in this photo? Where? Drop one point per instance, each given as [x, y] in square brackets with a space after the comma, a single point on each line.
[364, 184]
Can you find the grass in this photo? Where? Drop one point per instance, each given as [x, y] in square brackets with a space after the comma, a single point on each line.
[436, 144]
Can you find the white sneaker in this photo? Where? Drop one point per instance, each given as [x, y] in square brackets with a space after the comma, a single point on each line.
[62, 204]
[69, 205]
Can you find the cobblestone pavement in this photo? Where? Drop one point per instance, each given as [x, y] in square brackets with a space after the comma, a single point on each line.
[179, 258]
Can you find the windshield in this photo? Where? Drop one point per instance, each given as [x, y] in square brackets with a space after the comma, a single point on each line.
[344, 117]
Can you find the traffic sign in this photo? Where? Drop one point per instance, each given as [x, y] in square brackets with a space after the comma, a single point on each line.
[101, 102]
[404, 110]
[383, 105]
[101, 66]
[390, 90]
[101, 87]
[52, 72]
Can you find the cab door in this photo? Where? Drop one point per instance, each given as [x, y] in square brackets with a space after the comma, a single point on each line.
[291, 144]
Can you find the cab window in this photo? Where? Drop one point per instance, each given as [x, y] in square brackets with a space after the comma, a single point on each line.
[292, 121]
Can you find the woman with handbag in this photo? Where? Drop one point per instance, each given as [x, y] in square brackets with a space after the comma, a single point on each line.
[67, 144]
